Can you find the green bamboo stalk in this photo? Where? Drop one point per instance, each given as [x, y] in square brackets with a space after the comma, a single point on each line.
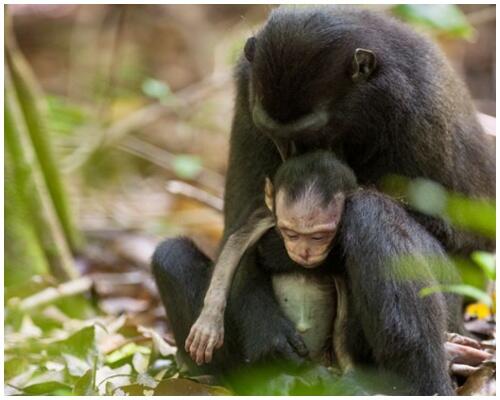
[26, 91]
[33, 193]
[23, 253]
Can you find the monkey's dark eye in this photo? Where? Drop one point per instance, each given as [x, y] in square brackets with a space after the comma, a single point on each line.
[249, 49]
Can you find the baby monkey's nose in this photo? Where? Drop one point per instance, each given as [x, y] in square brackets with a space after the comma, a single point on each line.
[303, 327]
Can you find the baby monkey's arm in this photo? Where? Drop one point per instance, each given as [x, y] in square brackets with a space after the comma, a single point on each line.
[207, 333]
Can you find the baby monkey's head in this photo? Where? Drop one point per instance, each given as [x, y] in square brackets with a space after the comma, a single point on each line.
[307, 198]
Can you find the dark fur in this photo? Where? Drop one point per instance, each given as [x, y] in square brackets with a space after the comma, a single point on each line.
[412, 116]
[318, 169]
[390, 325]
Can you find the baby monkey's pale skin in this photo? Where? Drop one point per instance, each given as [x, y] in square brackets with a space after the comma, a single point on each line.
[307, 228]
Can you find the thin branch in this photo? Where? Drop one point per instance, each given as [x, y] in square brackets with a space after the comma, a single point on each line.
[192, 192]
[185, 99]
[53, 294]
[165, 159]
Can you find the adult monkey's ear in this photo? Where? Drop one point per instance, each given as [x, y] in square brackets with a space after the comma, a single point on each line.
[269, 194]
[249, 48]
[364, 63]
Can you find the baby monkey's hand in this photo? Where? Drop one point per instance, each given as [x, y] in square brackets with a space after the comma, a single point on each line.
[206, 334]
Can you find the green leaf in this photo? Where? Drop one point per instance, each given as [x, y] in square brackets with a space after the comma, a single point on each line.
[50, 388]
[472, 214]
[427, 196]
[475, 215]
[76, 307]
[85, 385]
[441, 18]
[177, 387]
[187, 166]
[15, 366]
[464, 290]
[486, 262]
[126, 351]
[81, 344]
[470, 273]
[157, 90]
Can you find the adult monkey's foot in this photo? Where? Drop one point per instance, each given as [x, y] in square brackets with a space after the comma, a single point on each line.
[275, 338]
[464, 354]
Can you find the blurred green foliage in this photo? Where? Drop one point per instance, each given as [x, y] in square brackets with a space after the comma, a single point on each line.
[187, 166]
[23, 255]
[431, 198]
[68, 356]
[464, 290]
[487, 262]
[312, 380]
[157, 90]
[63, 118]
[438, 18]
[473, 215]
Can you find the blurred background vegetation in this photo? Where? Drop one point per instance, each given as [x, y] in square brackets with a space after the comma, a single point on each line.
[117, 120]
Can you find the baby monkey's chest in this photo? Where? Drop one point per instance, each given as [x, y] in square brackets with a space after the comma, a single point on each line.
[310, 302]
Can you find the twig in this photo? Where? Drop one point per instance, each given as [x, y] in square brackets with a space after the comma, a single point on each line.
[185, 99]
[166, 160]
[192, 192]
[113, 63]
[52, 294]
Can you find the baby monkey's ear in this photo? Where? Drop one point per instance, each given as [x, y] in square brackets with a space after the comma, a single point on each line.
[269, 194]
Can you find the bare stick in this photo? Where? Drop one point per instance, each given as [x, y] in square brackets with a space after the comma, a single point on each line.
[192, 192]
[52, 294]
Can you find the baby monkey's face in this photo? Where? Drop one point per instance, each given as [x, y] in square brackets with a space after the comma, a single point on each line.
[307, 226]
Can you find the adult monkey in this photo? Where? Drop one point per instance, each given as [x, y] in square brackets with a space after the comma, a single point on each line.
[365, 85]
[376, 93]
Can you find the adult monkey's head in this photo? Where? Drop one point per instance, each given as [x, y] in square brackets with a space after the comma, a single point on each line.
[302, 64]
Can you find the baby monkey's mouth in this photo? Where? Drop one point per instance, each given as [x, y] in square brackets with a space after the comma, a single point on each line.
[310, 263]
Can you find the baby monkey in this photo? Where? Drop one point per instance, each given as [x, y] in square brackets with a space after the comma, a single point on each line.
[304, 203]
